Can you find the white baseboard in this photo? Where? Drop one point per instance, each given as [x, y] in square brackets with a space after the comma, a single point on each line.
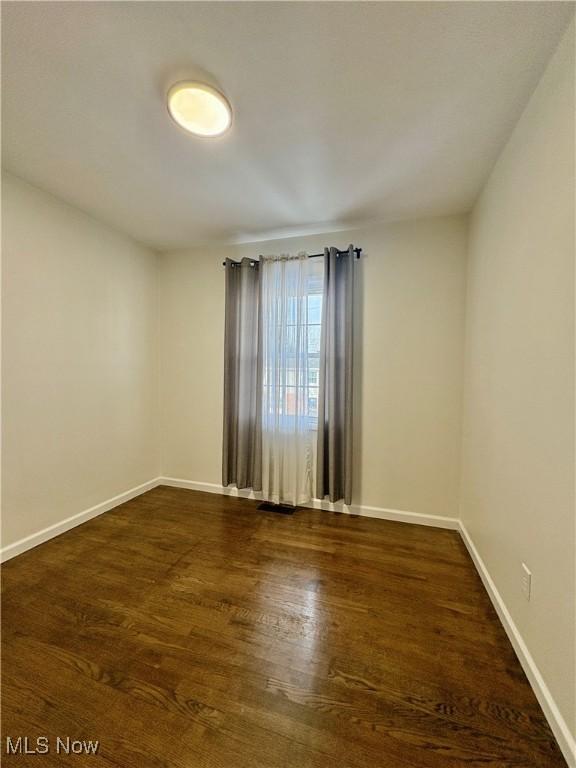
[377, 512]
[559, 727]
[18, 547]
[6, 553]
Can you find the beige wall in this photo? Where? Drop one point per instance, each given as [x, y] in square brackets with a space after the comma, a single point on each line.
[518, 446]
[79, 386]
[409, 361]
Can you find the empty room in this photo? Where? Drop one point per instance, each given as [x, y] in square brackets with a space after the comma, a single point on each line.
[288, 392]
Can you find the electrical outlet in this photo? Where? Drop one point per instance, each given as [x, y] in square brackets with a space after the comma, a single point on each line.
[526, 581]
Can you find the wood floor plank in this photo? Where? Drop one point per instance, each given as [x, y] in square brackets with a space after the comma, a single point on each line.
[188, 629]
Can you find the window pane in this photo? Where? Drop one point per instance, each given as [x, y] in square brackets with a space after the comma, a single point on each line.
[313, 339]
[315, 309]
[313, 402]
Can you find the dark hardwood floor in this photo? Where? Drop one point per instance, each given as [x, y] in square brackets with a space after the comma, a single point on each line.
[192, 630]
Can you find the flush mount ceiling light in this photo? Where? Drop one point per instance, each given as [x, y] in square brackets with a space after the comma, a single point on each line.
[200, 109]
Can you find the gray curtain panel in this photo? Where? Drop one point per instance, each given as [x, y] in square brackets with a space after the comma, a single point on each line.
[242, 439]
[334, 459]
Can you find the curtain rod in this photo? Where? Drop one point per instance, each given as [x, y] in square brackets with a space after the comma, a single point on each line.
[357, 251]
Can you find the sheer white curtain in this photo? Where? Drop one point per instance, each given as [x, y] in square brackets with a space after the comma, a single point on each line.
[289, 407]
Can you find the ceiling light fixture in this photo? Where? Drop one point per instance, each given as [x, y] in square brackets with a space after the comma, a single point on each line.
[199, 108]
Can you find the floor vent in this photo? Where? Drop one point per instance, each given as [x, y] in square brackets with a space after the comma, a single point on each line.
[281, 509]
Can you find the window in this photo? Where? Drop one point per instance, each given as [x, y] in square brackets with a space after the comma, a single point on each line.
[292, 328]
[276, 311]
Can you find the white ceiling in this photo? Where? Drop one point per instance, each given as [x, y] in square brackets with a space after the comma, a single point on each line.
[343, 112]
